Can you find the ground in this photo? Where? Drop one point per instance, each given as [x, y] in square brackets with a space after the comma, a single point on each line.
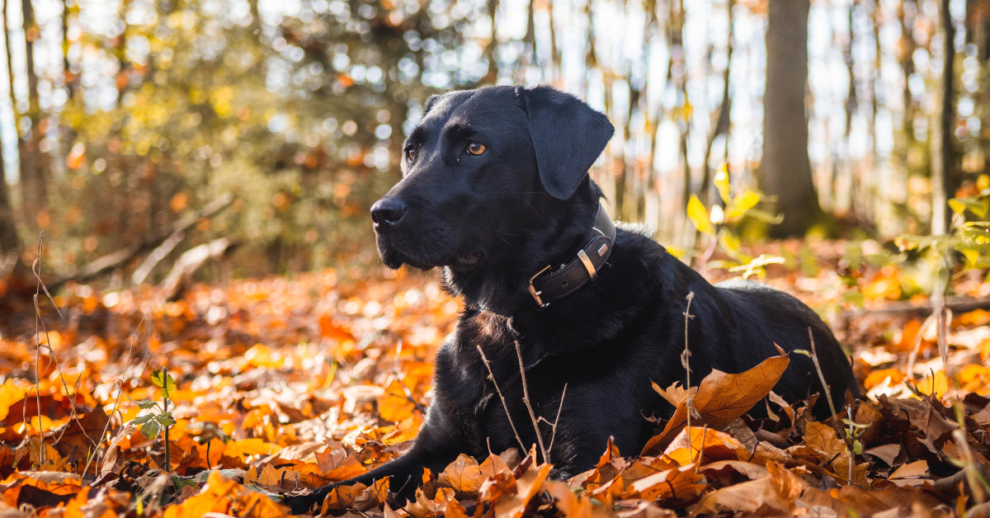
[290, 383]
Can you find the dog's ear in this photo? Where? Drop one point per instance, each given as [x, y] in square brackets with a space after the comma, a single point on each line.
[432, 100]
[567, 135]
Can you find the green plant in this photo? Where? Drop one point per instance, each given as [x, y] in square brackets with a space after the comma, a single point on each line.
[154, 422]
[722, 225]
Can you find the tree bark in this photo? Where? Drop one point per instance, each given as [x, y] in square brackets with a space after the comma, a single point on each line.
[943, 159]
[34, 190]
[9, 242]
[492, 46]
[785, 171]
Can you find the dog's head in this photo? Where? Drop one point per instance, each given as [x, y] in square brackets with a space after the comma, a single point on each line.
[482, 168]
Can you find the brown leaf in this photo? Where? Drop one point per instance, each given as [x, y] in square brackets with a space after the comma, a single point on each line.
[703, 447]
[722, 398]
[678, 484]
[675, 394]
[746, 469]
[772, 495]
[914, 474]
[463, 476]
[887, 452]
[851, 500]
[526, 488]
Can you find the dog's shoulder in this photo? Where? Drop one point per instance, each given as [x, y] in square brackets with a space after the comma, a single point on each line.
[764, 292]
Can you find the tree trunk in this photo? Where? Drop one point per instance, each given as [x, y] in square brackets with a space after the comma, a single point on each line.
[785, 171]
[9, 242]
[33, 185]
[492, 46]
[944, 179]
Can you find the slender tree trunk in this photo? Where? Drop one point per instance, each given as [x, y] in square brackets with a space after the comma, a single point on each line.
[851, 105]
[9, 242]
[944, 179]
[528, 58]
[785, 171]
[492, 46]
[723, 120]
[555, 73]
[67, 75]
[33, 182]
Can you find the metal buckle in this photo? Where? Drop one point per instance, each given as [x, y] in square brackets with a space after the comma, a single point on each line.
[532, 290]
[588, 265]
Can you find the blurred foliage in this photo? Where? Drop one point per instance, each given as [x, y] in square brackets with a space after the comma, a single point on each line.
[299, 117]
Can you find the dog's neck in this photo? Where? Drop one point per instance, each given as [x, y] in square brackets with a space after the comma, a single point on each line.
[557, 230]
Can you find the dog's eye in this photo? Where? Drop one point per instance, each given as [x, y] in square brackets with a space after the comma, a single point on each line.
[475, 148]
[411, 154]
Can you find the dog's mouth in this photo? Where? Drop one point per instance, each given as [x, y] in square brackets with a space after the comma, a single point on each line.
[395, 256]
[467, 259]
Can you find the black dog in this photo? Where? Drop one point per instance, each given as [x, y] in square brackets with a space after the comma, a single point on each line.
[496, 192]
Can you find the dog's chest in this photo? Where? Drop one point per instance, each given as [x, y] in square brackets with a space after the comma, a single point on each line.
[482, 350]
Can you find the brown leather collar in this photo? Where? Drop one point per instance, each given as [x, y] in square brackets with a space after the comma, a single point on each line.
[548, 287]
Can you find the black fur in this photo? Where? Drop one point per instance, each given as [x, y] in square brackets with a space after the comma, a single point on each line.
[493, 220]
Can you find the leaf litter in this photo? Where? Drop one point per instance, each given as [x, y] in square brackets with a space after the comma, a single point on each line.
[290, 384]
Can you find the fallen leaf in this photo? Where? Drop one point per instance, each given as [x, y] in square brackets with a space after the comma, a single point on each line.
[722, 398]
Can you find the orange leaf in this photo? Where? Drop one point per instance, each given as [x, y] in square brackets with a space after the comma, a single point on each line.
[526, 487]
[722, 398]
[463, 476]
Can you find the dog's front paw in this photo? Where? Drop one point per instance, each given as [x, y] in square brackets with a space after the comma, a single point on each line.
[304, 501]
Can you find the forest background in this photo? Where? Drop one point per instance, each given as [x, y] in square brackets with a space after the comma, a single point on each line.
[835, 149]
[121, 120]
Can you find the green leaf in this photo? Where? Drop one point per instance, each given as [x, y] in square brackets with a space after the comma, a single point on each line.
[167, 385]
[809, 263]
[165, 419]
[857, 447]
[802, 351]
[854, 424]
[722, 183]
[911, 242]
[741, 205]
[143, 418]
[696, 211]
[730, 242]
[150, 429]
[145, 404]
[764, 216]
[976, 206]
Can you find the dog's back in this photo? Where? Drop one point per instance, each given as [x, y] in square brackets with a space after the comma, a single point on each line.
[775, 317]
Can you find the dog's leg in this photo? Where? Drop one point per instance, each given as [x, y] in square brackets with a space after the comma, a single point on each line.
[439, 442]
[405, 473]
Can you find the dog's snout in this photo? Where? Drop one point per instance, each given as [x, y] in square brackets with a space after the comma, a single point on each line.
[387, 212]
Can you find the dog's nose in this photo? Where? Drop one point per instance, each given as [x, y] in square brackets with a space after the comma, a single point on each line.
[387, 212]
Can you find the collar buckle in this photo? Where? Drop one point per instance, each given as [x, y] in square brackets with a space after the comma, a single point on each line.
[532, 290]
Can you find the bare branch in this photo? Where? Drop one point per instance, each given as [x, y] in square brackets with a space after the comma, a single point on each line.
[508, 415]
[532, 415]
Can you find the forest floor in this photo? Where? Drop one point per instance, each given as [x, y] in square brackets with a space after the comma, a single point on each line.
[292, 383]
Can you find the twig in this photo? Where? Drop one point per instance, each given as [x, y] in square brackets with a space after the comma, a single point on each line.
[529, 407]
[116, 401]
[831, 406]
[115, 259]
[508, 415]
[168, 458]
[685, 361]
[701, 452]
[37, 358]
[956, 304]
[48, 345]
[939, 310]
[553, 434]
[917, 345]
